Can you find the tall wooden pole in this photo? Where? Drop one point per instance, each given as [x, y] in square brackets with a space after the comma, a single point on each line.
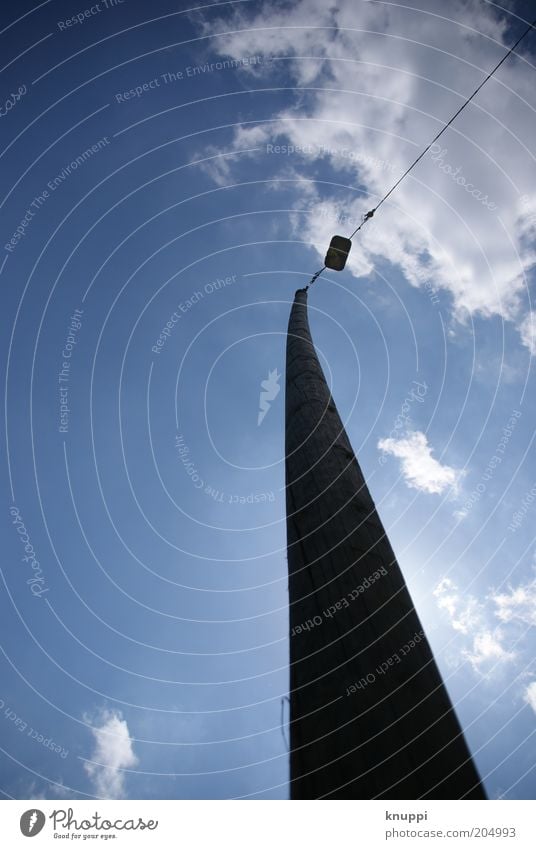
[370, 716]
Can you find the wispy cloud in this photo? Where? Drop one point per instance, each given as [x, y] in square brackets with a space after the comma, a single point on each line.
[518, 604]
[487, 648]
[48, 790]
[486, 643]
[215, 165]
[530, 695]
[527, 330]
[111, 754]
[420, 470]
[33, 791]
[464, 611]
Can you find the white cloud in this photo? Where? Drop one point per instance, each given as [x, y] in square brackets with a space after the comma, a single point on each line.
[470, 618]
[420, 470]
[465, 611]
[217, 164]
[386, 77]
[33, 791]
[517, 605]
[487, 648]
[112, 753]
[527, 331]
[530, 695]
[49, 790]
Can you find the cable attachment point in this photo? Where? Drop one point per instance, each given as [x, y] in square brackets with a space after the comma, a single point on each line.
[315, 275]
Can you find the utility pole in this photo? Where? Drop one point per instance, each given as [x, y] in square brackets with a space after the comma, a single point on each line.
[370, 716]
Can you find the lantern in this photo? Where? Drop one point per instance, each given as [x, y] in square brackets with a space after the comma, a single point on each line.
[337, 254]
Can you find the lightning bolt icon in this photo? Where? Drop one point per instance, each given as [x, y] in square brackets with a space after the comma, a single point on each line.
[33, 820]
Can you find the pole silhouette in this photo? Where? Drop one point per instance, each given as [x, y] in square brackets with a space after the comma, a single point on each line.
[369, 714]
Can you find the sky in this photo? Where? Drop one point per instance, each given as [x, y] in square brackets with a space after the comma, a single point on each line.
[170, 175]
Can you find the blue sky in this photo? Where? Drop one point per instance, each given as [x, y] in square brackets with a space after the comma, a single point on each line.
[168, 181]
